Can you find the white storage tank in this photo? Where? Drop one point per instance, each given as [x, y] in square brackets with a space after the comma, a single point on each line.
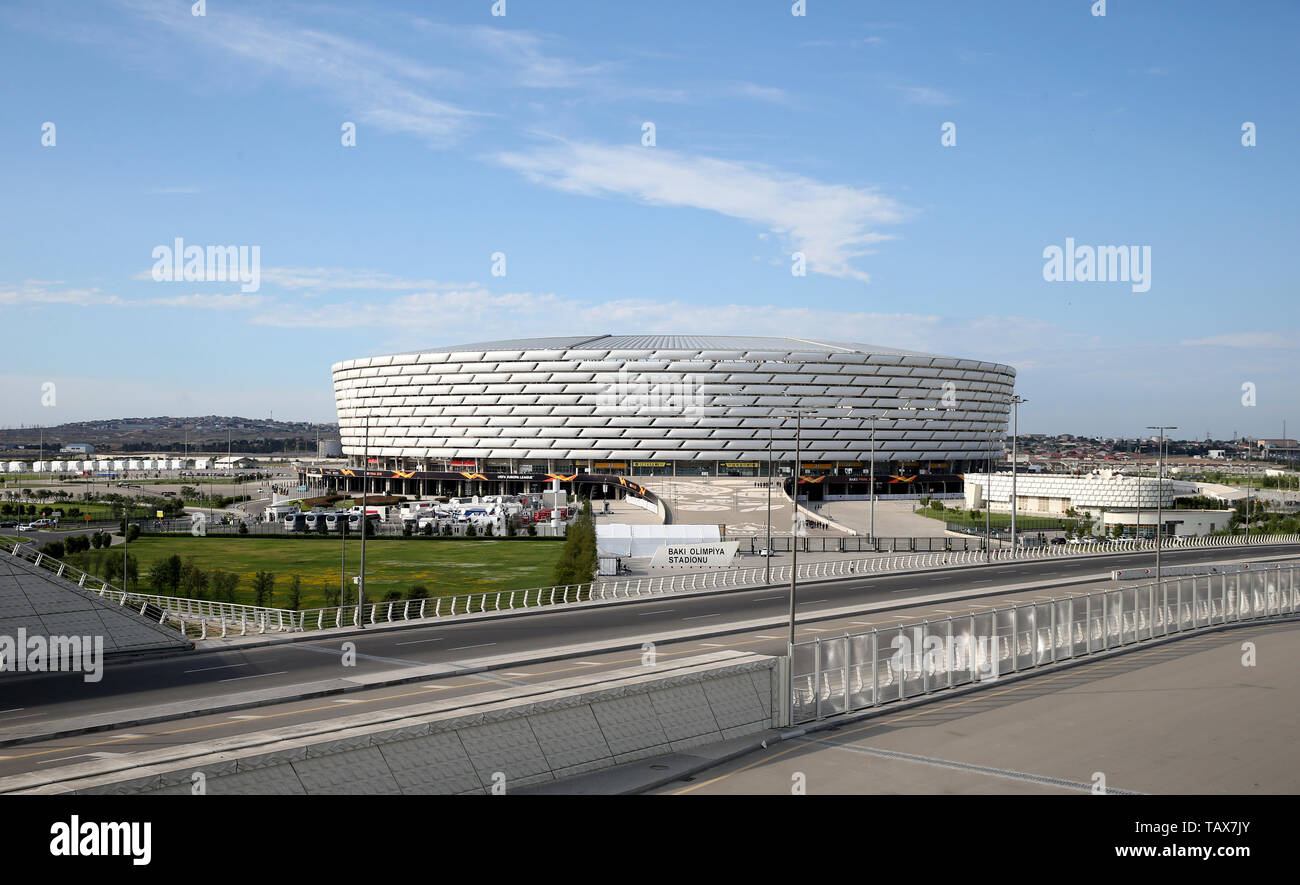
[57, 467]
[40, 466]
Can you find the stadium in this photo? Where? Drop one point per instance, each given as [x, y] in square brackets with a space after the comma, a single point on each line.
[505, 417]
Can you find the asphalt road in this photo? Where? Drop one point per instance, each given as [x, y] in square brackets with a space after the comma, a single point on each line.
[29, 700]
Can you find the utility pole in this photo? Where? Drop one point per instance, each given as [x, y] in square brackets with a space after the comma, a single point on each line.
[1160, 472]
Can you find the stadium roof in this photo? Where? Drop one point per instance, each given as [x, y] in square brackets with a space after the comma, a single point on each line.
[675, 342]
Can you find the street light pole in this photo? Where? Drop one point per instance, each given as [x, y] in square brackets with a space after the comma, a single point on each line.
[361, 584]
[1015, 429]
[1160, 473]
[767, 553]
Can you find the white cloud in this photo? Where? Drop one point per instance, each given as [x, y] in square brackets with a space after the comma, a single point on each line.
[34, 293]
[927, 96]
[1243, 339]
[380, 88]
[232, 301]
[832, 224]
[333, 278]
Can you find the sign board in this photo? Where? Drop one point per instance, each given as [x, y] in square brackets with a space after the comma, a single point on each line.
[717, 554]
[158, 514]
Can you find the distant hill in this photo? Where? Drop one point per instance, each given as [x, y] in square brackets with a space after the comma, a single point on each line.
[210, 433]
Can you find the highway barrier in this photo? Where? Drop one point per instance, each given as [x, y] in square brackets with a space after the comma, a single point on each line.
[857, 671]
[203, 618]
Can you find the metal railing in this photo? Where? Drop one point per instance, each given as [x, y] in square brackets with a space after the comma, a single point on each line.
[223, 619]
[862, 670]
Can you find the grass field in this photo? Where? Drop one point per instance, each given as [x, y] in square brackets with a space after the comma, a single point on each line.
[96, 511]
[998, 520]
[447, 568]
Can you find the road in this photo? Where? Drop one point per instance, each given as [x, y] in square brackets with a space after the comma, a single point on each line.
[29, 701]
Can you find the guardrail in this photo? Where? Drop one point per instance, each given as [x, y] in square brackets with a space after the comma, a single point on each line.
[868, 669]
[226, 618]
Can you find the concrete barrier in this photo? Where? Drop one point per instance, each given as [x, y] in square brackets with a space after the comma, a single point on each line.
[505, 739]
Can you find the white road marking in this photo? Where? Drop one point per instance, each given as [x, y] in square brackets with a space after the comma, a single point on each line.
[697, 617]
[12, 710]
[248, 716]
[418, 641]
[983, 581]
[463, 647]
[714, 644]
[517, 674]
[99, 755]
[222, 667]
[908, 590]
[254, 676]
[762, 636]
[658, 611]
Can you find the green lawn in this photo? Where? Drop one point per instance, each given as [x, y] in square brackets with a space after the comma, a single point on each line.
[447, 568]
[998, 520]
[96, 511]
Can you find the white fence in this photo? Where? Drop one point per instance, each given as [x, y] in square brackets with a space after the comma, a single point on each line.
[861, 670]
[206, 618]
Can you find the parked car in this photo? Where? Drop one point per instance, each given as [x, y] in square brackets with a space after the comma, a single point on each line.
[8, 524]
[25, 527]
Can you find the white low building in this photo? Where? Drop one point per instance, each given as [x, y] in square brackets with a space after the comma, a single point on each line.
[1177, 523]
[1053, 494]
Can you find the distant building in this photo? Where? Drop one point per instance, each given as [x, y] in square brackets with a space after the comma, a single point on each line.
[235, 462]
[329, 448]
[1278, 448]
[77, 449]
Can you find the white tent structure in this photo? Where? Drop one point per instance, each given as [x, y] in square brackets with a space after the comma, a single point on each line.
[637, 541]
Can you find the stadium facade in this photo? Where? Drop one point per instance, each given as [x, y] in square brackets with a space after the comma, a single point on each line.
[507, 416]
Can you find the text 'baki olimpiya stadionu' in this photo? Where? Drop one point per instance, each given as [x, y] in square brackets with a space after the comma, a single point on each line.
[505, 417]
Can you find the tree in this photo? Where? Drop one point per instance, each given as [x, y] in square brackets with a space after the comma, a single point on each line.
[165, 575]
[223, 585]
[295, 593]
[417, 591]
[263, 588]
[194, 581]
[132, 532]
[470, 531]
[577, 562]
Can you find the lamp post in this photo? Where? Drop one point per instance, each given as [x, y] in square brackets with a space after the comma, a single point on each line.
[767, 552]
[798, 414]
[871, 484]
[1015, 429]
[1160, 472]
[361, 584]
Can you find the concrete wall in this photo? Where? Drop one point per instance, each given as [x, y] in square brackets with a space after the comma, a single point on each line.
[529, 734]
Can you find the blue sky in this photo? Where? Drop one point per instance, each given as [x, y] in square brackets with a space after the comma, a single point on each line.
[775, 134]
